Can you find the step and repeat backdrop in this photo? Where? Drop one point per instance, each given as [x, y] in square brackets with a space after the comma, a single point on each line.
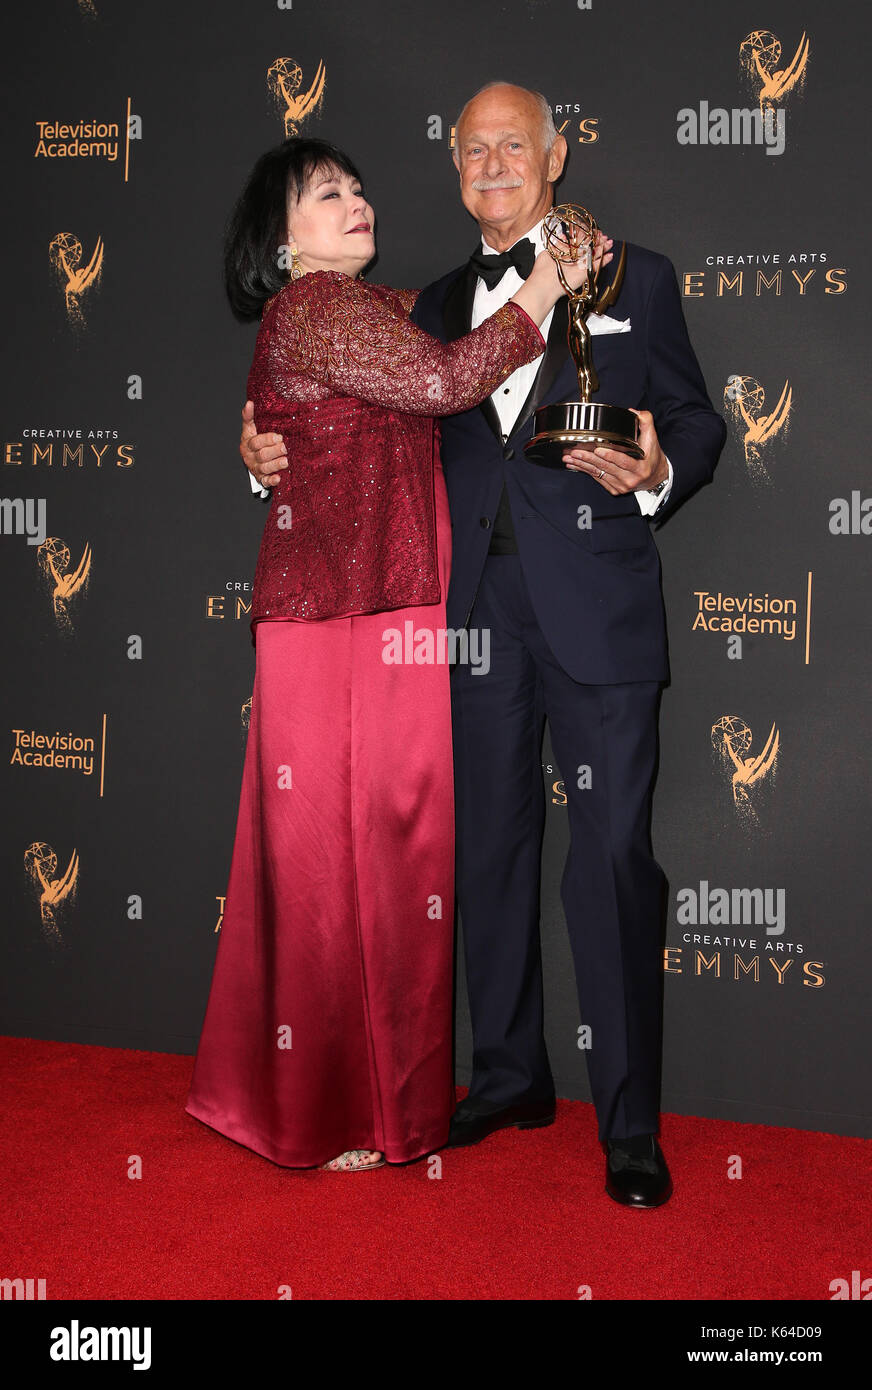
[129, 531]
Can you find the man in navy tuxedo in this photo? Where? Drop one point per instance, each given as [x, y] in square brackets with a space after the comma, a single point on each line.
[561, 570]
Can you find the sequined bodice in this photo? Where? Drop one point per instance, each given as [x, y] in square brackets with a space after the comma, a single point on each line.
[353, 386]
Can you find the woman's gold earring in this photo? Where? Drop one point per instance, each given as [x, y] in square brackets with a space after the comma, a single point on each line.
[296, 268]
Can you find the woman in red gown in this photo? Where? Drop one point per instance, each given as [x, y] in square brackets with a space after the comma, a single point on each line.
[327, 1038]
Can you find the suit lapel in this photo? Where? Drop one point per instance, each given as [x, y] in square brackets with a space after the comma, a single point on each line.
[457, 320]
[553, 362]
[457, 306]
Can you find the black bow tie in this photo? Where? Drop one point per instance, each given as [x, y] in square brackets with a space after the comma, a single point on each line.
[493, 268]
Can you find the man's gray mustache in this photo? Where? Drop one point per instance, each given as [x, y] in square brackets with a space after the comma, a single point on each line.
[485, 186]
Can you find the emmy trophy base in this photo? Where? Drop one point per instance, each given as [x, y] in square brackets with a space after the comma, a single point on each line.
[582, 423]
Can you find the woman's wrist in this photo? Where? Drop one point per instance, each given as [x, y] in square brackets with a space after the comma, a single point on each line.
[536, 303]
[537, 327]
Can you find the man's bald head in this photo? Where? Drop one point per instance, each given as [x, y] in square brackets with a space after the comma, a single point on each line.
[547, 126]
[509, 156]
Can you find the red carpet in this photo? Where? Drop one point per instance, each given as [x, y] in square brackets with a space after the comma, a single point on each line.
[521, 1216]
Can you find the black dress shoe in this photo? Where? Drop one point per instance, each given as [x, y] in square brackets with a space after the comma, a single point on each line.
[474, 1120]
[636, 1172]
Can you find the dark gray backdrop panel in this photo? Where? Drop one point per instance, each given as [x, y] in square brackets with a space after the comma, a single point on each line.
[177, 531]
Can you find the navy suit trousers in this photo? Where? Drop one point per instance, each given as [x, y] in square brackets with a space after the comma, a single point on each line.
[605, 742]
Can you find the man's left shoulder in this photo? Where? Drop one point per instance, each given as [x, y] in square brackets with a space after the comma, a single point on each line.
[436, 291]
[428, 311]
[649, 282]
[643, 264]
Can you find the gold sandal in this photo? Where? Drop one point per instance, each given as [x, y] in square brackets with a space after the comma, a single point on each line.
[352, 1161]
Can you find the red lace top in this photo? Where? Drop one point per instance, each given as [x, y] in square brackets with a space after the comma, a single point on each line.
[353, 386]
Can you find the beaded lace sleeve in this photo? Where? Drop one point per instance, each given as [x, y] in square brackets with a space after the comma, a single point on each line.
[406, 298]
[331, 334]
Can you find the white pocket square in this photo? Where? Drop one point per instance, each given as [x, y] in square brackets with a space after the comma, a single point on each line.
[601, 323]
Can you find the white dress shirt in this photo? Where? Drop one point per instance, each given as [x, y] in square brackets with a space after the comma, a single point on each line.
[510, 396]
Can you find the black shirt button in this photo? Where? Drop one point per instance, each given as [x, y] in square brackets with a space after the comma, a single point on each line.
[484, 522]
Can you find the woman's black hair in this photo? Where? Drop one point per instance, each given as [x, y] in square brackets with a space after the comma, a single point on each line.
[258, 224]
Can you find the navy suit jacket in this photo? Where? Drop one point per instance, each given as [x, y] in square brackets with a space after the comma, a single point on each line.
[595, 591]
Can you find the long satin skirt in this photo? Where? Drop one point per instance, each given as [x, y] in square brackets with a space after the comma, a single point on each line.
[329, 1021]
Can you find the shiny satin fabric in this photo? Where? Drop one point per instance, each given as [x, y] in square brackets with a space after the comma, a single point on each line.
[329, 1021]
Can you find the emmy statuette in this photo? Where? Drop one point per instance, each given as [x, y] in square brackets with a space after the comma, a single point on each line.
[569, 232]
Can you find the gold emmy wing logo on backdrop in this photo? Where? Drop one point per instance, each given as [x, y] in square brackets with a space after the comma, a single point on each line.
[245, 713]
[744, 397]
[54, 560]
[41, 864]
[285, 78]
[65, 254]
[760, 54]
[731, 740]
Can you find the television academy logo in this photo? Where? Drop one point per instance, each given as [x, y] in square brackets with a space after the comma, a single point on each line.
[55, 891]
[760, 54]
[731, 741]
[65, 254]
[284, 80]
[744, 398]
[89, 139]
[752, 614]
[57, 751]
[54, 559]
